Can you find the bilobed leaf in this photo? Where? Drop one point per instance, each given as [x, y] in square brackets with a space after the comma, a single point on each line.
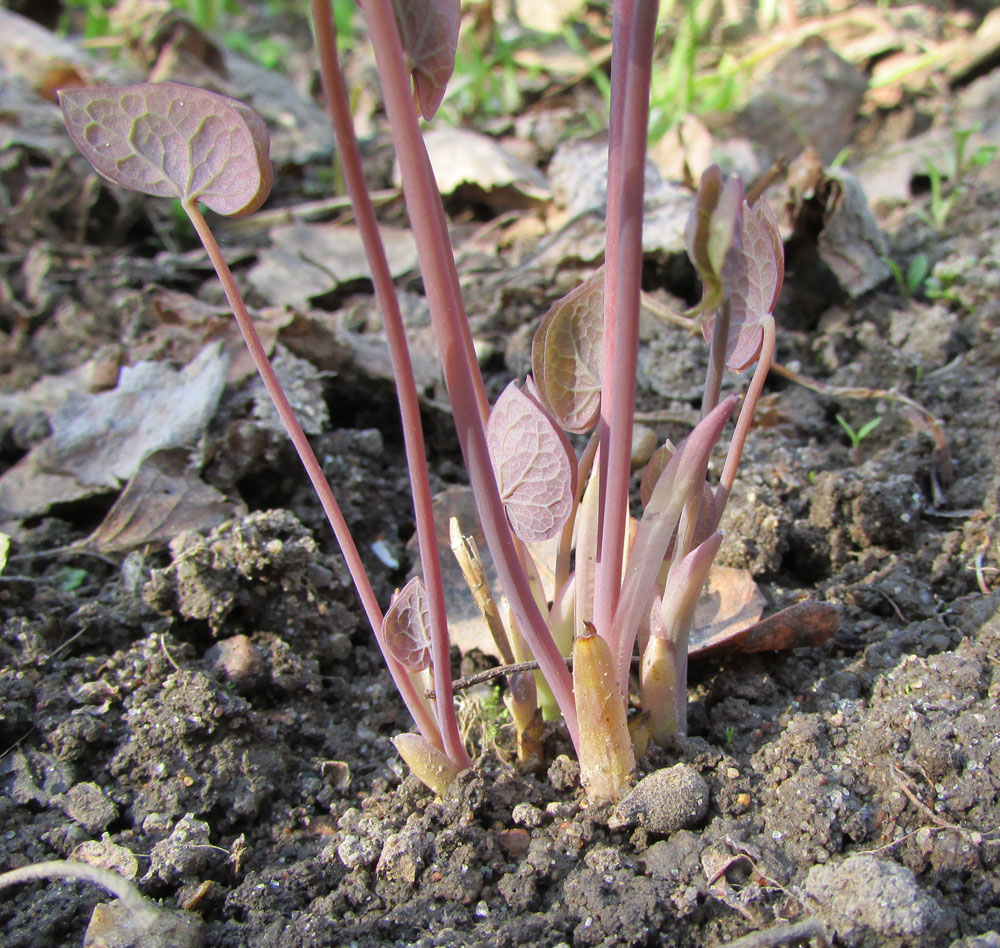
[534, 465]
[756, 283]
[429, 31]
[566, 356]
[406, 627]
[172, 140]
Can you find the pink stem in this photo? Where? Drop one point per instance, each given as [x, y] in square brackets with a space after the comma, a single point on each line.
[458, 361]
[716, 357]
[428, 727]
[635, 21]
[338, 105]
[745, 418]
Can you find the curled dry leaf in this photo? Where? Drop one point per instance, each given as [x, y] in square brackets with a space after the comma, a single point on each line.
[534, 465]
[429, 31]
[566, 356]
[406, 627]
[171, 140]
[805, 623]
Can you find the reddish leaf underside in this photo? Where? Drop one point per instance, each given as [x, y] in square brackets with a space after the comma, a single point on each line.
[566, 356]
[534, 465]
[171, 140]
[429, 31]
[756, 283]
[406, 627]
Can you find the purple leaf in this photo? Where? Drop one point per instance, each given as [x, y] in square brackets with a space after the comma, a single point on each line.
[566, 356]
[172, 140]
[712, 233]
[705, 524]
[755, 285]
[429, 31]
[406, 627]
[534, 464]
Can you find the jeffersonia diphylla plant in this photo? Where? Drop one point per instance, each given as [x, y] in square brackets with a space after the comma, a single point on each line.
[581, 577]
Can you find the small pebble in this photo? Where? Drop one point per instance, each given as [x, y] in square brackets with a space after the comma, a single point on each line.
[515, 842]
[667, 800]
[526, 815]
[236, 659]
[87, 804]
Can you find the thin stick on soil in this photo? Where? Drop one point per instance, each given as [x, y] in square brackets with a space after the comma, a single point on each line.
[786, 934]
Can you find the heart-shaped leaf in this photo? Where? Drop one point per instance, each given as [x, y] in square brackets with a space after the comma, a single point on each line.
[429, 31]
[534, 465]
[172, 140]
[756, 283]
[566, 356]
[406, 627]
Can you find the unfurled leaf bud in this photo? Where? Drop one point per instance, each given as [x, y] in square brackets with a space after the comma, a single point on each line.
[606, 757]
[428, 763]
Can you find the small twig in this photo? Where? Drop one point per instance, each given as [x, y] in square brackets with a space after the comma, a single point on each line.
[928, 811]
[31, 730]
[895, 606]
[756, 191]
[784, 934]
[65, 645]
[981, 574]
[305, 211]
[942, 456]
[166, 654]
[501, 671]
[73, 549]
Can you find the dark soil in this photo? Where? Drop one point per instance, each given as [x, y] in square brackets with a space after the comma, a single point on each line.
[211, 716]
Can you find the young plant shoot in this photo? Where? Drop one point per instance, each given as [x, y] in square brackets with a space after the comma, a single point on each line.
[582, 578]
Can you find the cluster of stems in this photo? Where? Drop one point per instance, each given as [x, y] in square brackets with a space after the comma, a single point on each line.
[609, 580]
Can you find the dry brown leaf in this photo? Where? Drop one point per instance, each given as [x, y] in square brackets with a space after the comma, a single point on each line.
[99, 440]
[44, 59]
[165, 497]
[729, 602]
[464, 159]
[806, 623]
[308, 260]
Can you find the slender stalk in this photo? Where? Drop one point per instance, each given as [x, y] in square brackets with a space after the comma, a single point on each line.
[745, 419]
[417, 708]
[565, 548]
[459, 365]
[716, 358]
[338, 106]
[635, 24]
